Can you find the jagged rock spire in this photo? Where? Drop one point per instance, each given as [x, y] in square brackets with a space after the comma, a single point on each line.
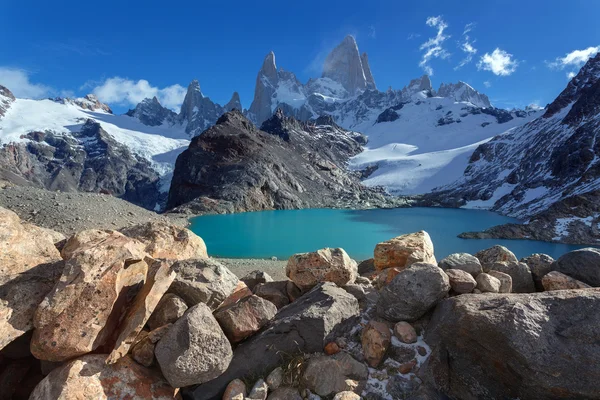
[344, 65]
[266, 82]
[234, 103]
[192, 99]
[463, 92]
[364, 58]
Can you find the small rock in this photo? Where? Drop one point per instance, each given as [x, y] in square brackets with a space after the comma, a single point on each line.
[366, 267]
[405, 332]
[505, 281]
[275, 378]
[236, 389]
[403, 251]
[241, 291]
[275, 292]
[375, 339]
[293, 291]
[327, 375]
[407, 367]
[285, 393]
[461, 281]
[245, 317]
[143, 352]
[325, 265]
[540, 265]
[331, 348]
[462, 261]
[169, 309]
[487, 283]
[495, 254]
[558, 281]
[346, 395]
[522, 281]
[259, 391]
[255, 277]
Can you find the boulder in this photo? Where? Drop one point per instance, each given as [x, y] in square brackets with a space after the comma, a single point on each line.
[522, 281]
[493, 255]
[275, 292]
[89, 377]
[236, 390]
[168, 310]
[285, 393]
[375, 340]
[413, 292]
[39, 232]
[327, 375]
[30, 265]
[461, 281]
[346, 395]
[275, 378]
[558, 281]
[143, 348]
[160, 277]
[325, 265]
[366, 267]
[255, 277]
[405, 332]
[462, 261]
[528, 346]
[194, 350]
[505, 281]
[301, 327]
[165, 240]
[203, 281]
[403, 251]
[259, 391]
[539, 265]
[583, 265]
[81, 238]
[245, 317]
[98, 284]
[487, 283]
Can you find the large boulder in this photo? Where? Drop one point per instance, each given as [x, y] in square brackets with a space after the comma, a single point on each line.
[89, 377]
[493, 255]
[461, 281]
[462, 261]
[255, 277]
[164, 240]
[522, 281]
[413, 292]
[402, 251]
[30, 265]
[528, 346]
[301, 327]
[558, 281]
[98, 284]
[583, 265]
[325, 265]
[203, 281]
[275, 292]
[487, 283]
[245, 317]
[168, 310]
[540, 265]
[81, 238]
[194, 350]
[328, 375]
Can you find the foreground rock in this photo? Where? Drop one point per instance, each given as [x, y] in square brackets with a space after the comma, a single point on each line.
[486, 283]
[30, 265]
[522, 280]
[85, 307]
[493, 255]
[90, 378]
[245, 317]
[164, 240]
[375, 341]
[461, 281]
[194, 350]
[325, 265]
[413, 292]
[303, 326]
[328, 375]
[540, 265]
[203, 281]
[168, 310]
[557, 281]
[403, 251]
[583, 265]
[462, 261]
[538, 346]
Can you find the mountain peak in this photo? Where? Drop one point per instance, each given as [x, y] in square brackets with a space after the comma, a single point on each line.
[234, 103]
[344, 65]
[364, 58]
[463, 92]
[6, 99]
[269, 67]
[418, 85]
[194, 86]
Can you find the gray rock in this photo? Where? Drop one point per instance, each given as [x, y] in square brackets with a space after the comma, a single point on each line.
[487, 283]
[583, 265]
[203, 281]
[505, 281]
[303, 326]
[168, 310]
[246, 317]
[275, 378]
[495, 254]
[275, 292]
[558, 281]
[327, 375]
[285, 393]
[413, 292]
[259, 391]
[522, 281]
[528, 346]
[540, 265]
[194, 350]
[255, 277]
[366, 267]
[461, 281]
[462, 261]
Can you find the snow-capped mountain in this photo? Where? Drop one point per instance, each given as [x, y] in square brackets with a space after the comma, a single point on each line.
[553, 159]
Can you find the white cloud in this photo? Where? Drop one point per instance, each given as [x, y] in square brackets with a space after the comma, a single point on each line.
[128, 92]
[571, 75]
[487, 84]
[574, 59]
[433, 47]
[467, 46]
[17, 81]
[499, 63]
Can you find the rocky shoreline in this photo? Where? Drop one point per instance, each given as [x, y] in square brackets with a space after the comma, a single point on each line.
[144, 313]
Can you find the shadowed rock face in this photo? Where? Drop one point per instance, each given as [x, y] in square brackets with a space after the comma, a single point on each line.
[90, 161]
[234, 166]
[6, 99]
[150, 112]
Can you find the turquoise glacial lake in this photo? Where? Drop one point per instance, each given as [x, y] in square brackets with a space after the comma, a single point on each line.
[282, 233]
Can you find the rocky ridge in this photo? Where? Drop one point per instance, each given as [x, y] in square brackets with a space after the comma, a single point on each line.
[149, 328]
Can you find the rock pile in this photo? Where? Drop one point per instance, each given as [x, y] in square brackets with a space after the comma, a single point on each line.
[145, 314]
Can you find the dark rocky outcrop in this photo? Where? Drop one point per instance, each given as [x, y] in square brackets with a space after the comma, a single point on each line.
[234, 167]
[150, 112]
[6, 99]
[89, 160]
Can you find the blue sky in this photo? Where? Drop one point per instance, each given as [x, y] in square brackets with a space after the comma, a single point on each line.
[521, 51]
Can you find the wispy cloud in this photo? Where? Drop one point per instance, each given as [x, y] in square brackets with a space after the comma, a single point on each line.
[487, 84]
[573, 60]
[127, 92]
[434, 46]
[571, 75]
[499, 62]
[466, 45]
[18, 82]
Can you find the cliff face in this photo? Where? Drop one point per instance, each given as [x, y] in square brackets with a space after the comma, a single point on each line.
[234, 167]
